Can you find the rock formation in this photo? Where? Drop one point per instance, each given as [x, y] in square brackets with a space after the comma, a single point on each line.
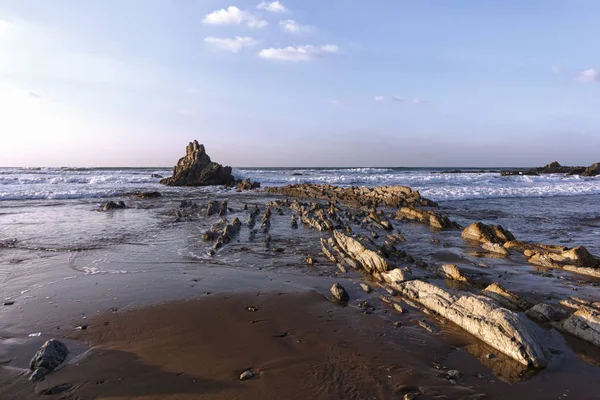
[427, 217]
[47, 358]
[507, 331]
[592, 170]
[491, 237]
[393, 196]
[555, 168]
[197, 169]
[247, 184]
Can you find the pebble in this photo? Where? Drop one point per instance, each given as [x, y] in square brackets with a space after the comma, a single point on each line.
[9, 303]
[397, 324]
[246, 375]
[366, 288]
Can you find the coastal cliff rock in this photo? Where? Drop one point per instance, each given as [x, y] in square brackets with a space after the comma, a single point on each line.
[197, 169]
[507, 331]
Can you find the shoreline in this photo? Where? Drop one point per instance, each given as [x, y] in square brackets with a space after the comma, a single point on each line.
[298, 345]
[169, 263]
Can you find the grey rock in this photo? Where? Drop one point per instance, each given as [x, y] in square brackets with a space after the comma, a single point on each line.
[339, 293]
[48, 357]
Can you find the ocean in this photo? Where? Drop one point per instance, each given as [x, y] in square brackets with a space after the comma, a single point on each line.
[438, 184]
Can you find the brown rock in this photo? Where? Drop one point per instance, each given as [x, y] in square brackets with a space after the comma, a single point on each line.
[427, 217]
[197, 169]
[480, 232]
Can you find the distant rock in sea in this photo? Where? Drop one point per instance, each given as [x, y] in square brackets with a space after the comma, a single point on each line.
[197, 169]
[555, 168]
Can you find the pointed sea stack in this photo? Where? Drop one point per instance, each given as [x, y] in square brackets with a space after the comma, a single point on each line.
[197, 169]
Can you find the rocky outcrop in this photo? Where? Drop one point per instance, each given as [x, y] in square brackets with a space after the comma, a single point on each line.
[505, 298]
[452, 272]
[592, 170]
[585, 324]
[48, 357]
[577, 260]
[506, 331]
[546, 313]
[365, 255]
[197, 169]
[555, 168]
[487, 233]
[339, 293]
[393, 196]
[427, 217]
[247, 184]
[491, 237]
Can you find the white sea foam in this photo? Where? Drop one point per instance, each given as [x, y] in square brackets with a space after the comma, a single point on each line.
[69, 183]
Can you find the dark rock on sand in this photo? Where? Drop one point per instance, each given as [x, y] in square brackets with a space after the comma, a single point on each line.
[247, 184]
[48, 357]
[339, 293]
[111, 205]
[197, 169]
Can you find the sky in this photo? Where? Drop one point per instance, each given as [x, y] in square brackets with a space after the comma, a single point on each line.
[300, 82]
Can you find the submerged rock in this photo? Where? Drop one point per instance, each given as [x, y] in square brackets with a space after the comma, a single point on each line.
[339, 293]
[197, 169]
[111, 205]
[506, 331]
[48, 357]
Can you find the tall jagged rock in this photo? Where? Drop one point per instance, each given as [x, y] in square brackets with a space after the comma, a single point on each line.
[197, 169]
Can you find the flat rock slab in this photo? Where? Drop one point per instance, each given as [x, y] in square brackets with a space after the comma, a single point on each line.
[509, 332]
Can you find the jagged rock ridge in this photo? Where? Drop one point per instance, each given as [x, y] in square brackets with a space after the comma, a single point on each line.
[197, 169]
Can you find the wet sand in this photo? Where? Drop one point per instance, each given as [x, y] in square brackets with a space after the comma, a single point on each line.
[298, 345]
[170, 339]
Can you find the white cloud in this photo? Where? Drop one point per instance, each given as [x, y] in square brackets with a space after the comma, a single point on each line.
[291, 26]
[233, 45]
[417, 101]
[589, 75]
[299, 53]
[398, 99]
[379, 99]
[556, 70]
[233, 16]
[335, 102]
[274, 6]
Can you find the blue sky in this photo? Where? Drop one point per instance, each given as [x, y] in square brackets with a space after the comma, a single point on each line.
[300, 82]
